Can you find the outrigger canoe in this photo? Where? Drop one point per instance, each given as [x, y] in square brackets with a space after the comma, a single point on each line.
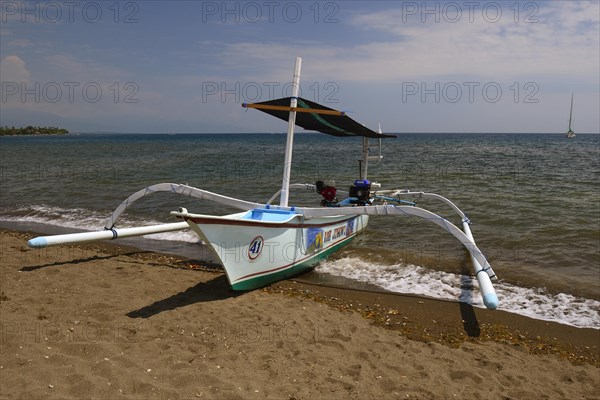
[267, 242]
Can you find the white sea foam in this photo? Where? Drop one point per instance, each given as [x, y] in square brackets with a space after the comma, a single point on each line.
[412, 279]
[401, 278]
[187, 236]
[80, 218]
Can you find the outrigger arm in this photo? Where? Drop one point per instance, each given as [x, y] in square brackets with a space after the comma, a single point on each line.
[480, 263]
[111, 233]
[183, 190]
[481, 267]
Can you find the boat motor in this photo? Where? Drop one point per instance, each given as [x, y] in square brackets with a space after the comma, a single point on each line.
[361, 191]
[328, 191]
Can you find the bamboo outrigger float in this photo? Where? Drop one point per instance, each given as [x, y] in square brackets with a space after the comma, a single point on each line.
[264, 243]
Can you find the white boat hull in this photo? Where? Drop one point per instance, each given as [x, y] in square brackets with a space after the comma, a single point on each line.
[270, 247]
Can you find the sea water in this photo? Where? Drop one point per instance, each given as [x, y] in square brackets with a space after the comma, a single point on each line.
[533, 200]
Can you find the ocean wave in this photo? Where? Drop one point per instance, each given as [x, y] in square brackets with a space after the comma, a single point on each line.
[402, 278]
[85, 219]
[407, 278]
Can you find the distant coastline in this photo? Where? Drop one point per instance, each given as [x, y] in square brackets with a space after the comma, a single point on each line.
[31, 131]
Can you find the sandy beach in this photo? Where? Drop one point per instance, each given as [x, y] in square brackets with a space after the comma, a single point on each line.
[107, 322]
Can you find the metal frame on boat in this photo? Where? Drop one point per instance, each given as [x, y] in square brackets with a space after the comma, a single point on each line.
[264, 243]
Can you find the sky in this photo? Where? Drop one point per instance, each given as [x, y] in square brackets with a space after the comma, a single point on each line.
[413, 66]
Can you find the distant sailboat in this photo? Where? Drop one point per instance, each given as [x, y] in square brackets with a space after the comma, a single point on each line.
[570, 134]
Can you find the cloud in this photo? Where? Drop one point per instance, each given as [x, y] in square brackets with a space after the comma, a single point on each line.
[12, 69]
[67, 67]
[543, 40]
[558, 40]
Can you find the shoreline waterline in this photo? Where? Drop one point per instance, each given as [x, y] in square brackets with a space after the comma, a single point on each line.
[416, 317]
[532, 201]
[341, 272]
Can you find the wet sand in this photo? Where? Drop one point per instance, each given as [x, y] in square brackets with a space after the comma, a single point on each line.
[107, 321]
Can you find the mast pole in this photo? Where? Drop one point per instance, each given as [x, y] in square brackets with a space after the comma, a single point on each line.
[571, 113]
[365, 158]
[287, 165]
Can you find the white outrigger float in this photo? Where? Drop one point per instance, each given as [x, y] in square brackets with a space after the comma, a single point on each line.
[265, 243]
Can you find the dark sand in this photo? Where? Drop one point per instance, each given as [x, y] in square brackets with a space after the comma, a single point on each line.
[109, 322]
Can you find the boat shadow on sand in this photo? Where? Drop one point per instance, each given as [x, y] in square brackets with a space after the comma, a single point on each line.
[470, 323]
[218, 288]
[215, 289]
[467, 312]
[32, 268]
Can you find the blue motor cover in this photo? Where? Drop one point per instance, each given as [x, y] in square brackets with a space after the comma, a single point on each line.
[361, 191]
